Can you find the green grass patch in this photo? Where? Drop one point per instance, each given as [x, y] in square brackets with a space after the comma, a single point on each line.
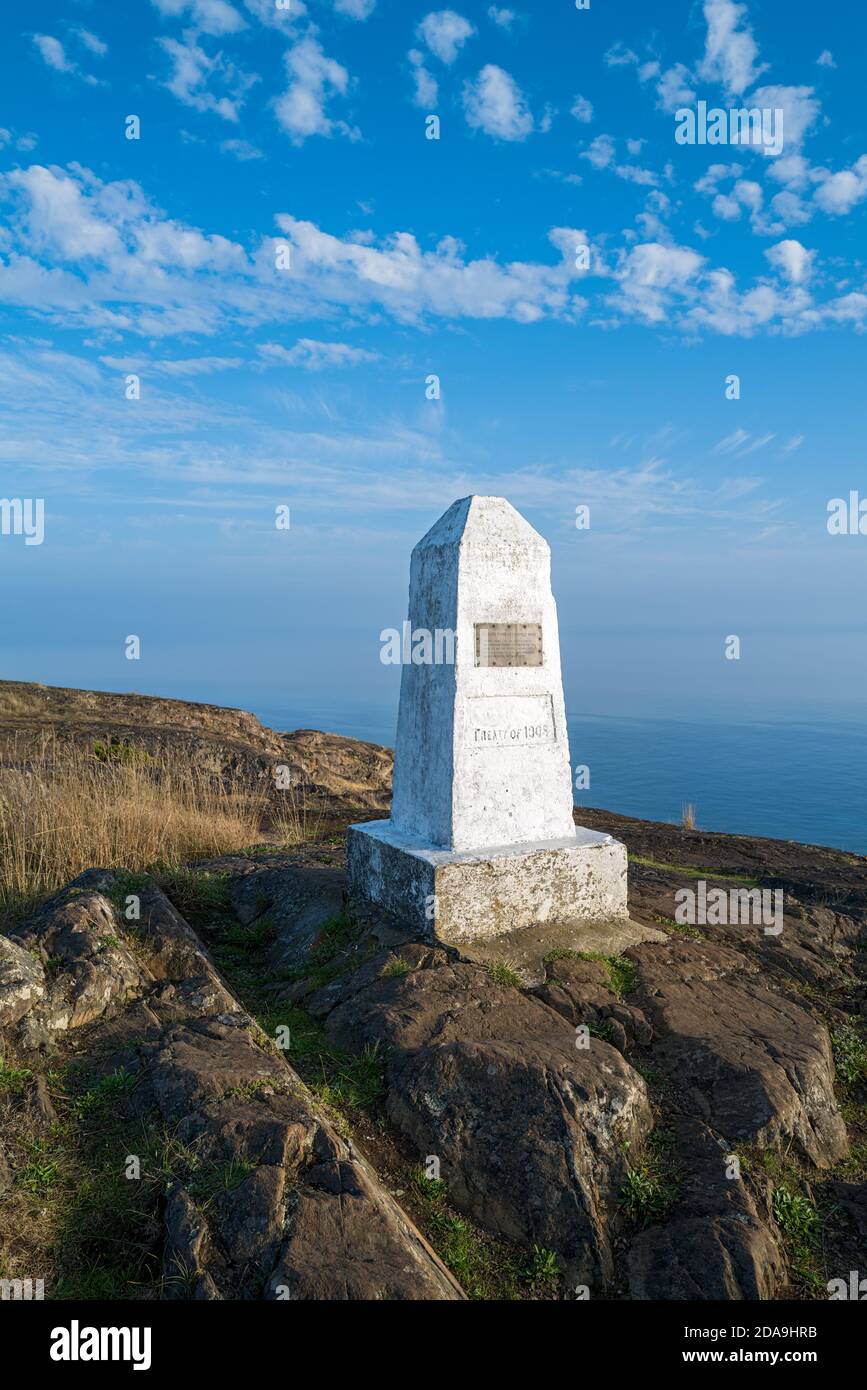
[679, 928]
[795, 1215]
[800, 1225]
[122, 754]
[651, 1185]
[253, 937]
[103, 1094]
[14, 1080]
[39, 1177]
[396, 967]
[337, 1078]
[213, 1180]
[689, 871]
[622, 973]
[197, 896]
[850, 1054]
[334, 937]
[486, 1268]
[127, 886]
[504, 974]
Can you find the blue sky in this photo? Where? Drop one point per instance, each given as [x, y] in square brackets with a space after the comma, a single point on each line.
[262, 129]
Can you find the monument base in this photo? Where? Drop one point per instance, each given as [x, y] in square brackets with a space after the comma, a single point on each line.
[465, 895]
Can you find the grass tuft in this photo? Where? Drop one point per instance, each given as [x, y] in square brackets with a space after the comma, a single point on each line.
[504, 974]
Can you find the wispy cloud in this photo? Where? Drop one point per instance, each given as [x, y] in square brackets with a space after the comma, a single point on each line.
[53, 53]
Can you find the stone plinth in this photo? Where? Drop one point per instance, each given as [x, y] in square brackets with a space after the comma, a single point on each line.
[463, 895]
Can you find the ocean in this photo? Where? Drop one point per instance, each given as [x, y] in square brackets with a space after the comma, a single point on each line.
[793, 779]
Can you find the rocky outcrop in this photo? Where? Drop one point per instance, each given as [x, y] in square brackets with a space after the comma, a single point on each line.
[467, 1056]
[330, 775]
[270, 1201]
[749, 1061]
[307, 1217]
[87, 970]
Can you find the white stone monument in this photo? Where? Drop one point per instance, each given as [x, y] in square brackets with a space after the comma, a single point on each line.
[481, 839]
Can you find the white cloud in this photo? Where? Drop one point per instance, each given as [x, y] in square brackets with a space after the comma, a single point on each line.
[504, 18]
[600, 152]
[839, 193]
[314, 79]
[730, 49]
[355, 9]
[714, 174]
[794, 443]
[633, 173]
[760, 442]
[208, 16]
[726, 207]
[799, 106]
[651, 220]
[826, 59]
[24, 142]
[241, 150]
[113, 261]
[267, 13]
[793, 259]
[413, 283]
[445, 33]
[426, 88]
[92, 42]
[850, 308]
[582, 110]
[674, 88]
[749, 193]
[174, 366]
[52, 52]
[59, 218]
[619, 56]
[790, 209]
[792, 170]
[724, 309]
[316, 356]
[731, 442]
[80, 252]
[194, 72]
[495, 104]
[652, 275]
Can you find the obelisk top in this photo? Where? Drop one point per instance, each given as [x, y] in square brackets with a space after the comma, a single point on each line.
[487, 521]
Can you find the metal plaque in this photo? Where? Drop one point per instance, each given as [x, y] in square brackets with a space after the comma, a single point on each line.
[508, 644]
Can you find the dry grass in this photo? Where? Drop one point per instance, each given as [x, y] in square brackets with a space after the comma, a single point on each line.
[687, 819]
[294, 821]
[17, 704]
[65, 809]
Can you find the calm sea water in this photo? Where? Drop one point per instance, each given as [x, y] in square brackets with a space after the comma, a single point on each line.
[790, 779]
